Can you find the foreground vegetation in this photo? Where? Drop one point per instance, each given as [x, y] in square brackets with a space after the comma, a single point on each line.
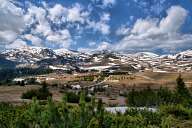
[90, 115]
[173, 110]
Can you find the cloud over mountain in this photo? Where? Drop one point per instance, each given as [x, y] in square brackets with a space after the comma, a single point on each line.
[139, 25]
[154, 33]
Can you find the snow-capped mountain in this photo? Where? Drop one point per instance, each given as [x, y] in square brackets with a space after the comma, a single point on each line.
[35, 54]
[184, 55]
[71, 53]
[40, 56]
[146, 55]
[28, 54]
[67, 58]
[63, 52]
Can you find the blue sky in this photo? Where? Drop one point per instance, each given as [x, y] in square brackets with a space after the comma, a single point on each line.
[160, 26]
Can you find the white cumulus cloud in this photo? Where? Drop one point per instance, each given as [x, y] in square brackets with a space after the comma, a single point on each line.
[150, 34]
[109, 2]
[76, 14]
[36, 41]
[11, 21]
[174, 20]
[92, 44]
[40, 16]
[101, 25]
[61, 39]
[57, 13]
[101, 46]
[104, 46]
[18, 43]
[123, 30]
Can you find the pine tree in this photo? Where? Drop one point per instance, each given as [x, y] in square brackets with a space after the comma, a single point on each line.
[51, 116]
[83, 112]
[166, 122]
[65, 113]
[31, 118]
[131, 97]
[100, 113]
[181, 88]
[93, 123]
[93, 106]
[22, 83]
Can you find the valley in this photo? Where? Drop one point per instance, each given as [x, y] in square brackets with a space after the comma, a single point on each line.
[107, 75]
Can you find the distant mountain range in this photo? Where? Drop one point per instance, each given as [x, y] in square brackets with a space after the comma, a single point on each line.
[68, 59]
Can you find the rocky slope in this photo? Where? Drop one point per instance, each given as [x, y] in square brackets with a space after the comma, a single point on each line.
[69, 58]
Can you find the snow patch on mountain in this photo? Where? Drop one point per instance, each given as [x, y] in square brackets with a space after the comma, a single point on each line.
[146, 54]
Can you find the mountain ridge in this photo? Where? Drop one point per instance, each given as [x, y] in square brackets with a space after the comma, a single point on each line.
[41, 56]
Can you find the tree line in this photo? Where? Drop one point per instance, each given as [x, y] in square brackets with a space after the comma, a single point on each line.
[6, 75]
[151, 98]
